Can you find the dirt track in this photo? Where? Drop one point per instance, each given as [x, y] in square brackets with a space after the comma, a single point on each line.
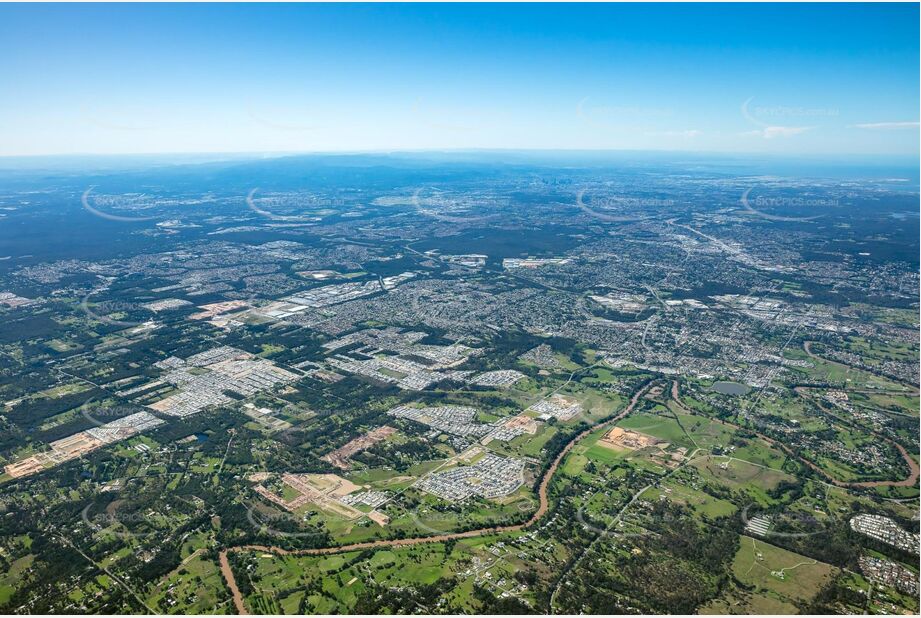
[542, 509]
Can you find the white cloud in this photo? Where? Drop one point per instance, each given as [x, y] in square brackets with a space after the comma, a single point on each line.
[778, 131]
[886, 125]
[688, 133]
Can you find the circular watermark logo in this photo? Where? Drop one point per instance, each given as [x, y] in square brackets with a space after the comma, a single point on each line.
[101, 413]
[769, 119]
[615, 528]
[291, 436]
[439, 523]
[439, 310]
[460, 120]
[743, 472]
[617, 209]
[311, 202]
[750, 204]
[620, 117]
[434, 522]
[437, 206]
[101, 311]
[118, 524]
[119, 118]
[269, 522]
[89, 207]
[274, 120]
[780, 523]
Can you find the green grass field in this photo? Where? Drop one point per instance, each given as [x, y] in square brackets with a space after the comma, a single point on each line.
[740, 475]
[12, 577]
[701, 502]
[604, 454]
[778, 573]
[661, 427]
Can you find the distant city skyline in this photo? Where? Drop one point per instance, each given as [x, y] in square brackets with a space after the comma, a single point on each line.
[800, 79]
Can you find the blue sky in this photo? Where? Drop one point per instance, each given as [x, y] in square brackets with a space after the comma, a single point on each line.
[793, 79]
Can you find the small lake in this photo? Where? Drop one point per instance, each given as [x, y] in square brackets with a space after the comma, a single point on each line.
[730, 388]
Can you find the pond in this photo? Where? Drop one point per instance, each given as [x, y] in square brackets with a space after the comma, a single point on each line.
[730, 388]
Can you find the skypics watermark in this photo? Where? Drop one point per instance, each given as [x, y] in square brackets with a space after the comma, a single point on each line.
[100, 311]
[783, 111]
[437, 206]
[89, 207]
[458, 120]
[289, 124]
[309, 202]
[757, 523]
[780, 523]
[772, 120]
[118, 118]
[122, 525]
[271, 522]
[439, 523]
[100, 414]
[434, 522]
[622, 117]
[754, 205]
[619, 209]
[616, 528]
[313, 121]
